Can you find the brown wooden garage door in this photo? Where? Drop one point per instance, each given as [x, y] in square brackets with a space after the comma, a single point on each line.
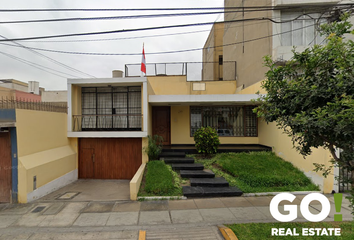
[109, 158]
[5, 167]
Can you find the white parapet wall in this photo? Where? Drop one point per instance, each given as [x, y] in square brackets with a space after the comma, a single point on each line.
[53, 186]
[136, 181]
[44, 172]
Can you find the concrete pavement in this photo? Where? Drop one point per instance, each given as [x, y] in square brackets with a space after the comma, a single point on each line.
[177, 219]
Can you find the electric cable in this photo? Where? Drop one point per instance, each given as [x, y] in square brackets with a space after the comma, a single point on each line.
[137, 29]
[166, 9]
[49, 58]
[30, 64]
[156, 53]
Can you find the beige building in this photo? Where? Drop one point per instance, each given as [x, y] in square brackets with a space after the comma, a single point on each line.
[273, 32]
[213, 54]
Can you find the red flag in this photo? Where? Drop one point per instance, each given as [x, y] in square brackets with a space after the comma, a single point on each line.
[143, 62]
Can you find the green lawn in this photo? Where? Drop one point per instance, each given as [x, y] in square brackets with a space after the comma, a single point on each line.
[259, 172]
[260, 231]
[159, 180]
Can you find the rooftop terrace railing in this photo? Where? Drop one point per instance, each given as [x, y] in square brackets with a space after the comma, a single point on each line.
[195, 71]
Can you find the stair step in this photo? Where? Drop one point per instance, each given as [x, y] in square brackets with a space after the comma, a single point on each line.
[172, 154]
[196, 174]
[171, 160]
[211, 191]
[209, 182]
[188, 166]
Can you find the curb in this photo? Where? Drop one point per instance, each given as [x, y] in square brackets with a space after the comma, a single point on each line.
[163, 198]
[275, 193]
[227, 233]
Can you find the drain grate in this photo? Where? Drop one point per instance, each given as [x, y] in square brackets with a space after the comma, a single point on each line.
[38, 209]
[68, 195]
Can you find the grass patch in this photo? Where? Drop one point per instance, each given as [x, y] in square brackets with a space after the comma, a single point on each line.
[259, 172]
[160, 180]
[260, 231]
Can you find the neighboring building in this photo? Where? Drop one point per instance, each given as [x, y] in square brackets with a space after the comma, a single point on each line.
[213, 54]
[55, 97]
[36, 157]
[15, 90]
[247, 42]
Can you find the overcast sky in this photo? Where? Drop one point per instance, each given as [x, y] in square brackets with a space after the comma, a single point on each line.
[98, 66]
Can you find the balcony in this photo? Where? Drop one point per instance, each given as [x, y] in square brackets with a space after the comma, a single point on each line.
[195, 71]
[107, 122]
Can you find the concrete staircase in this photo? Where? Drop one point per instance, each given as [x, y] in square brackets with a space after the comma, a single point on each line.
[203, 182]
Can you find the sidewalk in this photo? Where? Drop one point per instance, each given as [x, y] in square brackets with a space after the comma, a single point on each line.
[177, 219]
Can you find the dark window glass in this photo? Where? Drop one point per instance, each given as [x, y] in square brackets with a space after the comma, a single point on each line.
[233, 121]
[111, 109]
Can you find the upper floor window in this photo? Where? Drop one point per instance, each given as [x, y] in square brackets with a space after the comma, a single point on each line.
[302, 31]
[111, 109]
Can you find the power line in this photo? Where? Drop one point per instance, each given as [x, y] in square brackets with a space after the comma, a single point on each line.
[128, 38]
[166, 9]
[29, 63]
[113, 17]
[114, 39]
[49, 58]
[156, 53]
[137, 29]
[243, 10]
[33, 63]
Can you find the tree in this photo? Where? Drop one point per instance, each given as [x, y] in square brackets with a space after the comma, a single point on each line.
[310, 97]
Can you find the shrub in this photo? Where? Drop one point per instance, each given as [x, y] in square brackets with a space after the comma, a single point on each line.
[206, 141]
[154, 147]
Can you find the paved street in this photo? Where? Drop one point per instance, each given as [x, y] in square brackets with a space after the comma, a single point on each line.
[177, 219]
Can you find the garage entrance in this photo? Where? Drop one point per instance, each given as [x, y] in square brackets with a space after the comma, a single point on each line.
[109, 158]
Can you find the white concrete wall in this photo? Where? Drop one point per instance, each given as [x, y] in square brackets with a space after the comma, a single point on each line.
[55, 96]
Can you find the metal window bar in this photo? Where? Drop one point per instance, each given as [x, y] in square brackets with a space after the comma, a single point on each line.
[236, 121]
[344, 180]
[194, 71]
[110, 109]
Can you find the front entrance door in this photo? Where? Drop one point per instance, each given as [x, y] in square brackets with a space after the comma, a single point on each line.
[5, 167]
[161, 123]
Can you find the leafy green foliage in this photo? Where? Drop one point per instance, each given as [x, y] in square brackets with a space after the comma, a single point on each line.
[159, 180]
[206, 141]
[154, 147]
[311, 96]
[259, 172]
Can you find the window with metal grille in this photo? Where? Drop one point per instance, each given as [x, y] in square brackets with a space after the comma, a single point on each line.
[232, 121]
[111, 109]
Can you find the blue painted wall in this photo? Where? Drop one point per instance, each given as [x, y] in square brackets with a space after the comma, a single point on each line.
[14, 165]
[7, 115]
